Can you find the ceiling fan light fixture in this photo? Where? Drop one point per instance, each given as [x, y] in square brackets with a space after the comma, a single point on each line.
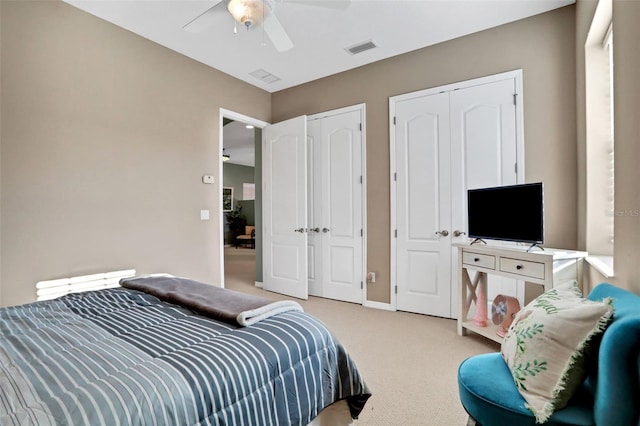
[247, 12]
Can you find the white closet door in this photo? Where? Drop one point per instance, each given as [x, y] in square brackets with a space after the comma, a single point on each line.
[423, 205]
[447, 140]
[340, 175]
[314, 202]
[284, 165]
[484, 154]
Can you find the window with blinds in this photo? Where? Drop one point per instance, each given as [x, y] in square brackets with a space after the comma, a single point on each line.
[607, 45]
[600, 157]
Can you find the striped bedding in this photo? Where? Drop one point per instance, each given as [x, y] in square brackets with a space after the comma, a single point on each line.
[123, 357]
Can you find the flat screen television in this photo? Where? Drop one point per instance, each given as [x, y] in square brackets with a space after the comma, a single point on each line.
[507, 213]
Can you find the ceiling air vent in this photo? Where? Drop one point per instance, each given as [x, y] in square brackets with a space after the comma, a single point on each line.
[265, 76]
[361, 47]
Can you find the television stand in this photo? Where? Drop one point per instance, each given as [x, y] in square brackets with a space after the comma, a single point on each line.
[535, 245]
[478, 240]
[540, 270]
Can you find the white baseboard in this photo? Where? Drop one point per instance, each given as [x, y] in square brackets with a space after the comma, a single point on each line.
[379, 305]
[366, 304]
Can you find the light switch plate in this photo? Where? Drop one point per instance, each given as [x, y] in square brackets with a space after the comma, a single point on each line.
[207, 179]
[204, 214]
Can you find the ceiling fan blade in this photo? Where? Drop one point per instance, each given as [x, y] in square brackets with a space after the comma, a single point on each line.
[332, 4]
[204, 20]
[276, 33]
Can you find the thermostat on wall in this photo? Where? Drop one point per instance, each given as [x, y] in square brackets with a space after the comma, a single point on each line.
[207, 179]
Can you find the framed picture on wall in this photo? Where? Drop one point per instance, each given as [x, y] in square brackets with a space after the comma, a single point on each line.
[227, 199]
[248, 191]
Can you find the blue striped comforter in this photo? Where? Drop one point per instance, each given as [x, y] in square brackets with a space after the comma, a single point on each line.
[122, 357]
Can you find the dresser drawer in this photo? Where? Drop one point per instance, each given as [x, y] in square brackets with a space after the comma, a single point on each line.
[481, 260]
[522, 267]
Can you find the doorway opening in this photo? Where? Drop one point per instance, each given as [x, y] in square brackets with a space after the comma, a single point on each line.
[314, 223]
[240, 179]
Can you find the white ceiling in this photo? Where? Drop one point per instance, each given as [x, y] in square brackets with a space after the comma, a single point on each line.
[319, 34]
[239, 143]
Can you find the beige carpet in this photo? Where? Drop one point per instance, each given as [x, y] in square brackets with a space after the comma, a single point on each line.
[409, 361]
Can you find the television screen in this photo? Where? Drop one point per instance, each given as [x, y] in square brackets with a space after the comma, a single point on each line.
[509, 213]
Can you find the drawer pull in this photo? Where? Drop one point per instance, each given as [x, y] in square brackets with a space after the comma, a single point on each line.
[518, 267]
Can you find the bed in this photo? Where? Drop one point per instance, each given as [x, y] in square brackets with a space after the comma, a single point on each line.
[134, 356]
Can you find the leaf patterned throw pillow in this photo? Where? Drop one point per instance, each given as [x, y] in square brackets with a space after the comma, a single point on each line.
[546, 344]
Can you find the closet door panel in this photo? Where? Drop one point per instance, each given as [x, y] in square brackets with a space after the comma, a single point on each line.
[423, 205]
[425, 265]
[341, 165]
[284, 165]
[484, 145]
[340, 174]
[314, 203]
[420, 154]
[481, 133]
[342, 260]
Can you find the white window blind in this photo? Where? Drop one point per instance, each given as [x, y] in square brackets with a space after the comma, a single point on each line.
[607, 44]
[599, 202]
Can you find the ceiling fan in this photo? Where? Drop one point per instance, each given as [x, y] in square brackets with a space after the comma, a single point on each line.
[252, 13]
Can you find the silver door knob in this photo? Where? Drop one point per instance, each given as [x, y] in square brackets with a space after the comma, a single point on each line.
[442, 233]
[314, 229]
[457, 233]
[300, 230]
[325, 230]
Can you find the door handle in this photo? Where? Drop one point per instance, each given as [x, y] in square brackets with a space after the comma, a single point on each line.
[457, 233]
[442, 233]
[300, 230]
[325, 230]
[314, 229]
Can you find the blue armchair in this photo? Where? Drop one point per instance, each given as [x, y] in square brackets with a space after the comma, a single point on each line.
[609, 396]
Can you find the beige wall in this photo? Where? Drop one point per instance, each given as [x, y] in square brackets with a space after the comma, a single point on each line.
[584, 14]
[105, 138]
[626, 15]
[543, 46]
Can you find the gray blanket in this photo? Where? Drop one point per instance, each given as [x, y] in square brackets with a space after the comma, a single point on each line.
[218, 303]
